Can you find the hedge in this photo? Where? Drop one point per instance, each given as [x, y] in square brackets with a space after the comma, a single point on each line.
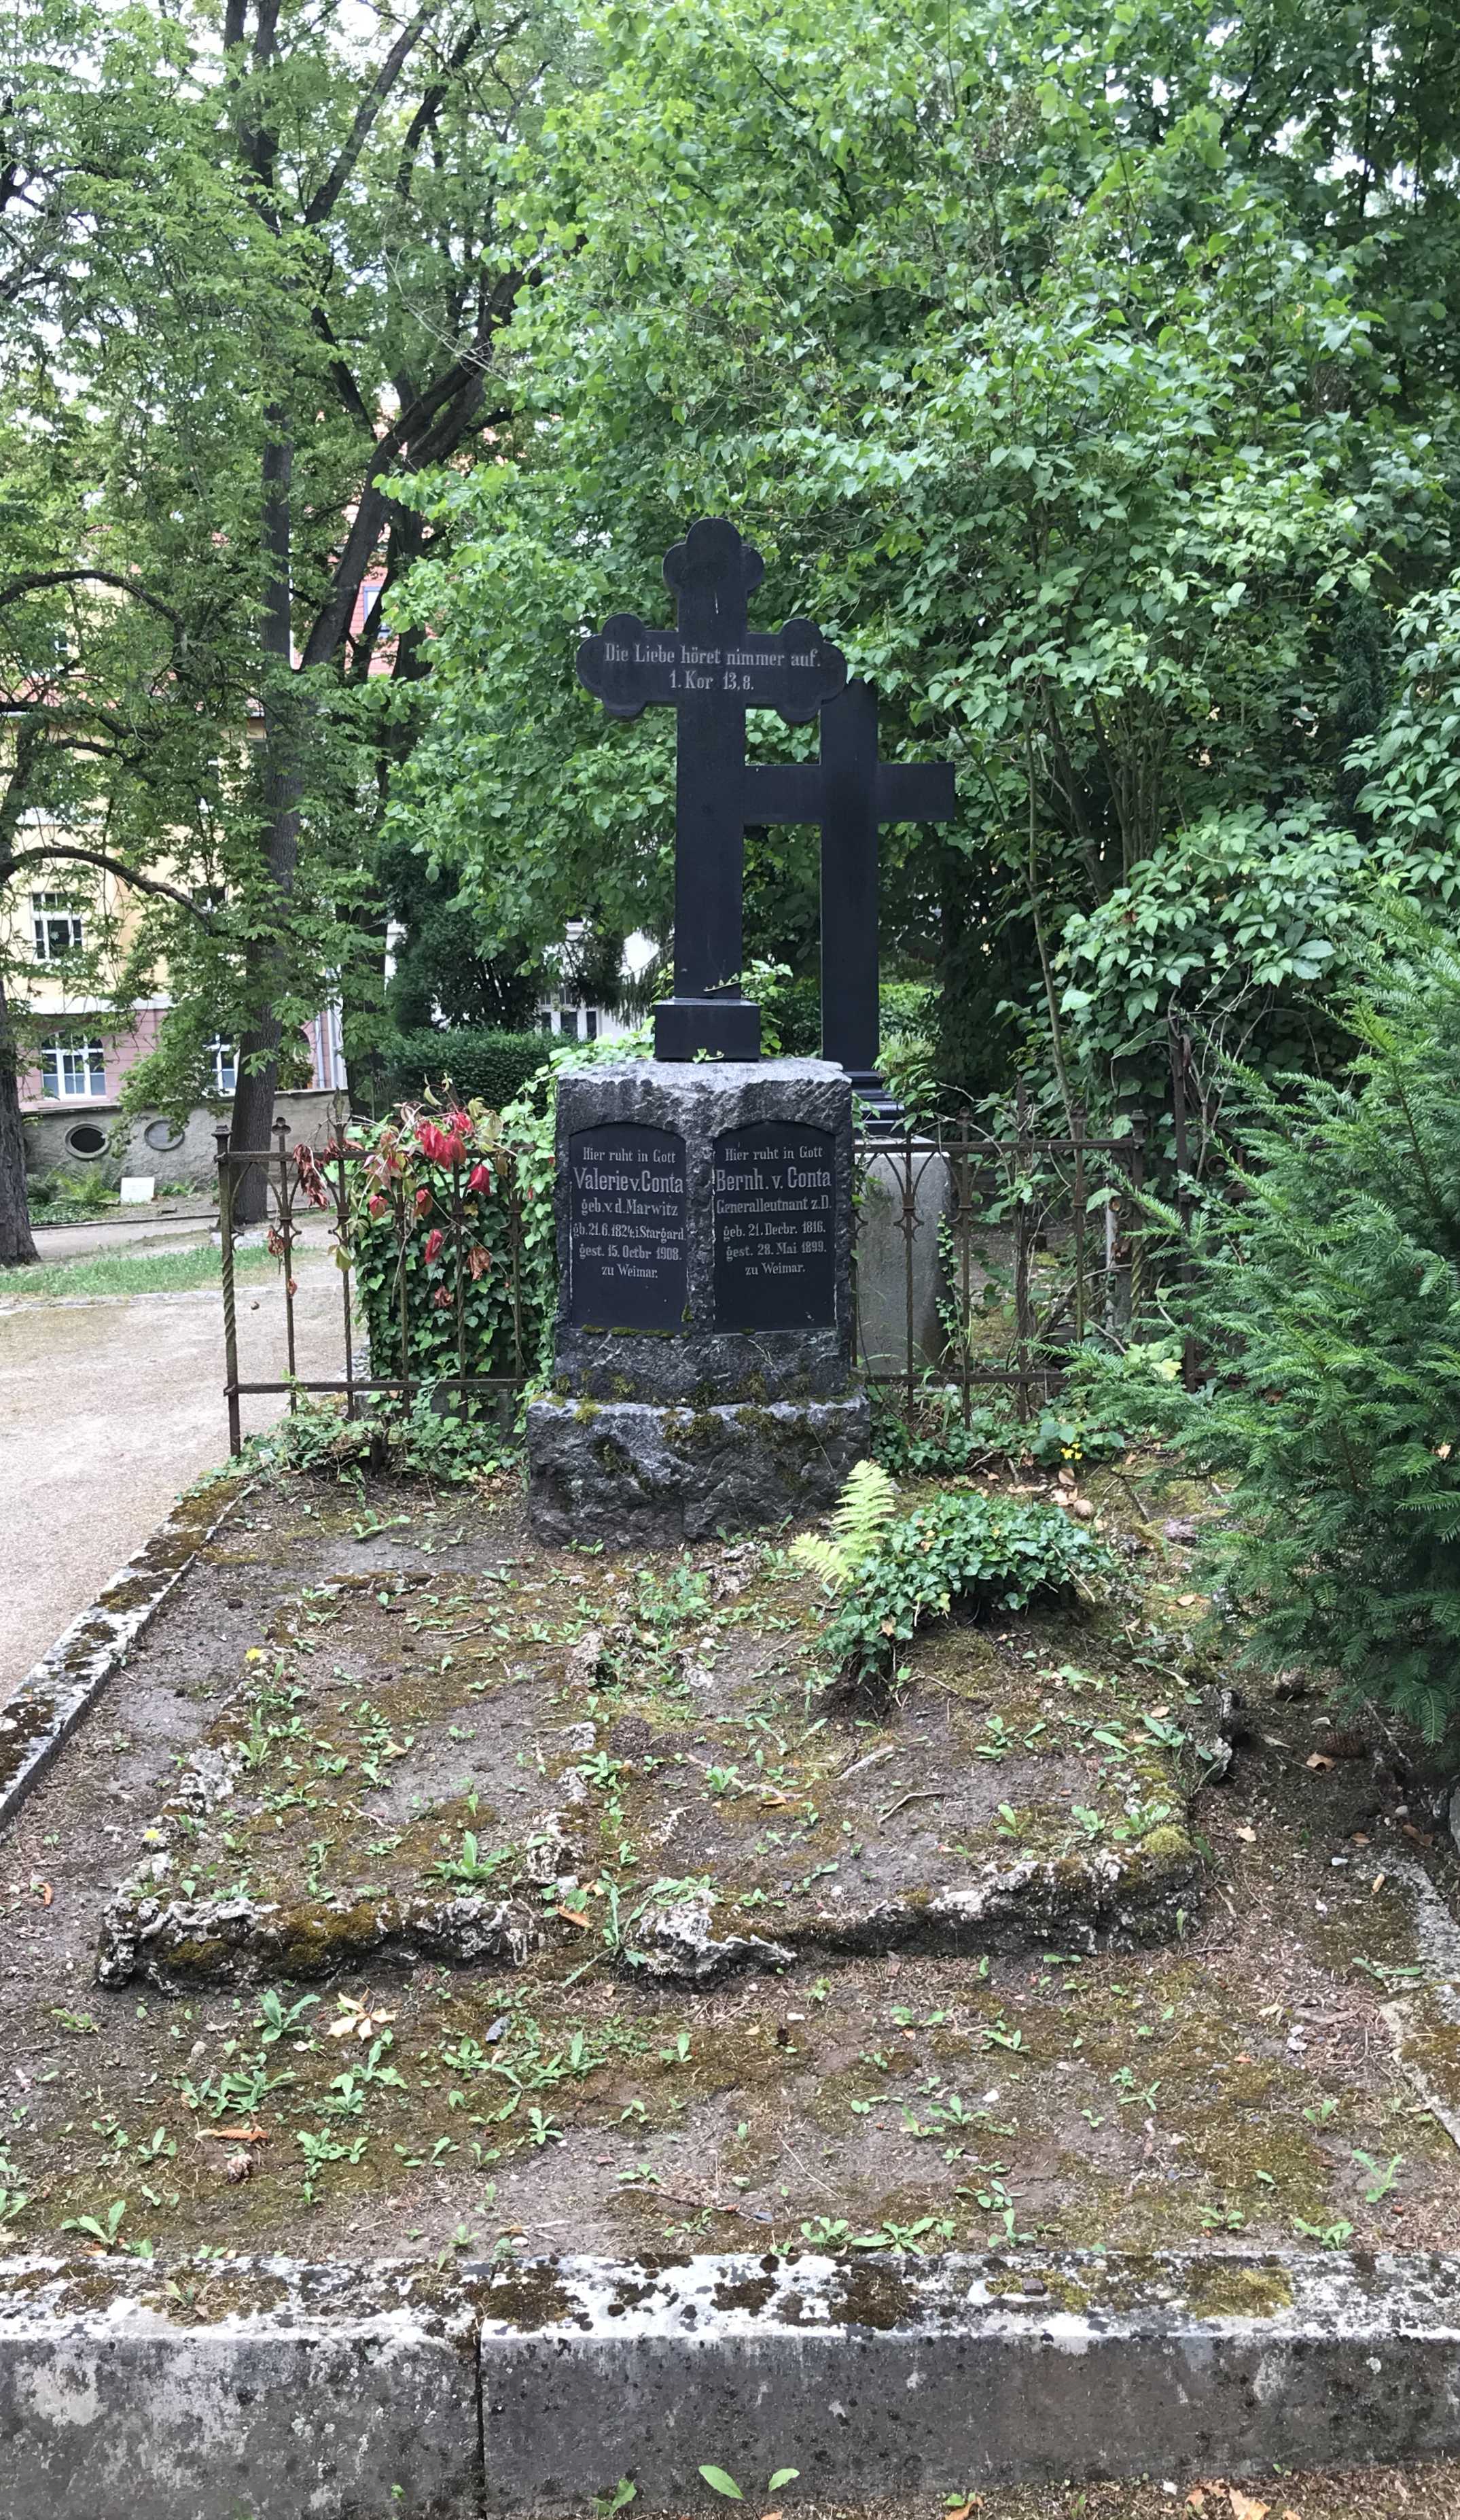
[490, 1067]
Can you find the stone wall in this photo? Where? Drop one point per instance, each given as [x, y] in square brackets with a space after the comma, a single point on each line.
[142, 1141]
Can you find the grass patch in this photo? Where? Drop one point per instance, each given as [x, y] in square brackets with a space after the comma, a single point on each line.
[128, 1273]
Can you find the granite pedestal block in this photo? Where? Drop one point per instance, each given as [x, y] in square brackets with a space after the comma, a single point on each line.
[642, 1477]
[703, 1343]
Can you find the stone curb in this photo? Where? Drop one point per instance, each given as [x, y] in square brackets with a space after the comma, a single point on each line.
[268, 2388]
[277, 2390]
[60, 1689]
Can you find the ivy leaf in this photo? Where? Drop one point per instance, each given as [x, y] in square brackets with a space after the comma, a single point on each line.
[719, 2482]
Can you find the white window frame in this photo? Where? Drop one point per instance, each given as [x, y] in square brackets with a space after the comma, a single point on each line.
[73, 1067]
[570, 1020]
[225, 1058]
[50, 910]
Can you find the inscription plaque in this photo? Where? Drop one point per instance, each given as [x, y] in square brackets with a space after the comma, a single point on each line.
[628, 1216]
[774, 1208]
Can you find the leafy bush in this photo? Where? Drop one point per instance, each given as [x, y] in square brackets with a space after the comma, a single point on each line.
[1330, 1291]
[480, 1066]
[934, 1436]
[63, 1194]
[909, 1049]
[419, 1442]
[888, 1572]
[1110, 1399]
[455, 1204]
[411, 1250]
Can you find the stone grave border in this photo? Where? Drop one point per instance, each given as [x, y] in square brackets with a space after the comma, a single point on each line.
[350, 2390]
[71, 1675]
[395, 2390]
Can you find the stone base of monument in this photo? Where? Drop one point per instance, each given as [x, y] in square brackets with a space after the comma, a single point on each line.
[638, 1476]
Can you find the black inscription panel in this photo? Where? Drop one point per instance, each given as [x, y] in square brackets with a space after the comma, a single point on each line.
[626, 1228]
[774, 1189]
[631, 668]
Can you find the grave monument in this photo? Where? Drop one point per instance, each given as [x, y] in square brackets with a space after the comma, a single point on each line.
[703, 1374]
[851, 792]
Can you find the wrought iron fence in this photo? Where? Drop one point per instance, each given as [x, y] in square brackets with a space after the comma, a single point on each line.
[981, 1262]
[337, 1185]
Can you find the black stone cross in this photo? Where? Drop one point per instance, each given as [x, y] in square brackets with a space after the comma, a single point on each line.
[849, 793]
[711, 669]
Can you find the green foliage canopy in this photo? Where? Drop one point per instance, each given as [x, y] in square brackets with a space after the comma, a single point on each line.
[1084, 372]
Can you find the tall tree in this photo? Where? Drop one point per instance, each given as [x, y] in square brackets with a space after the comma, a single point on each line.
[280, 288]
[370, 167]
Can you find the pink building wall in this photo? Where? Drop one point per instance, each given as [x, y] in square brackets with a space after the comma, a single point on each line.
[124, 1045]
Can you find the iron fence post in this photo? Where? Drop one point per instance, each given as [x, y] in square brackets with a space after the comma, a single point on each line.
[229, 1304]
[343, 1255]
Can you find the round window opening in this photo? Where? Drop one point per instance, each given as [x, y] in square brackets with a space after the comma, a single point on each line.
[86, 1139]
[163, 1137]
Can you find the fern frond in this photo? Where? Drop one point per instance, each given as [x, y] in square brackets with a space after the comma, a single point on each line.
[822, 1558]
[864, 1510]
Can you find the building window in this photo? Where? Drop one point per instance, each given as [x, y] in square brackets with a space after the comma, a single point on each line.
[73, 1067]
[225, 1059]
[59, 930]
[569, 1022]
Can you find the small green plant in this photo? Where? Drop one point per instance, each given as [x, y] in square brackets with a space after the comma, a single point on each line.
[1380, 2177]
[424, 1441]
[617, 2497]
[890, 1572]
[932, 1434]
[471, 1866]
[859, 1522]
[93, 2228]
[323, 2147]
[1329, 2235]
[273, 2021]
[719, 2481]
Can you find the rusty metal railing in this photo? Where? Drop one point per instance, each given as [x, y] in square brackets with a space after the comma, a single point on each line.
[335, 1184]
[981, 1263]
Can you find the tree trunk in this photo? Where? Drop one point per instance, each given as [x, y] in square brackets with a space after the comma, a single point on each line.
[17, 1242]
[283, 790]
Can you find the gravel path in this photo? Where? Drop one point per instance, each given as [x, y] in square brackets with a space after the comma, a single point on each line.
[108, 1408]
[175, 1225]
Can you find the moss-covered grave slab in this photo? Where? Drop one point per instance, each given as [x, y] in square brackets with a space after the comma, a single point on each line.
[507, 1900]
[645, 1763]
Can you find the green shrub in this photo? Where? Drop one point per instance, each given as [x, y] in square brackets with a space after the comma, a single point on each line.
[456, 1200]
[419, 1442]
[410, 1254]
[888, 1571]
[1329, 1297]
[932, 1436]
[1109, 1400]
[63, 1194]
[479, 1066]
